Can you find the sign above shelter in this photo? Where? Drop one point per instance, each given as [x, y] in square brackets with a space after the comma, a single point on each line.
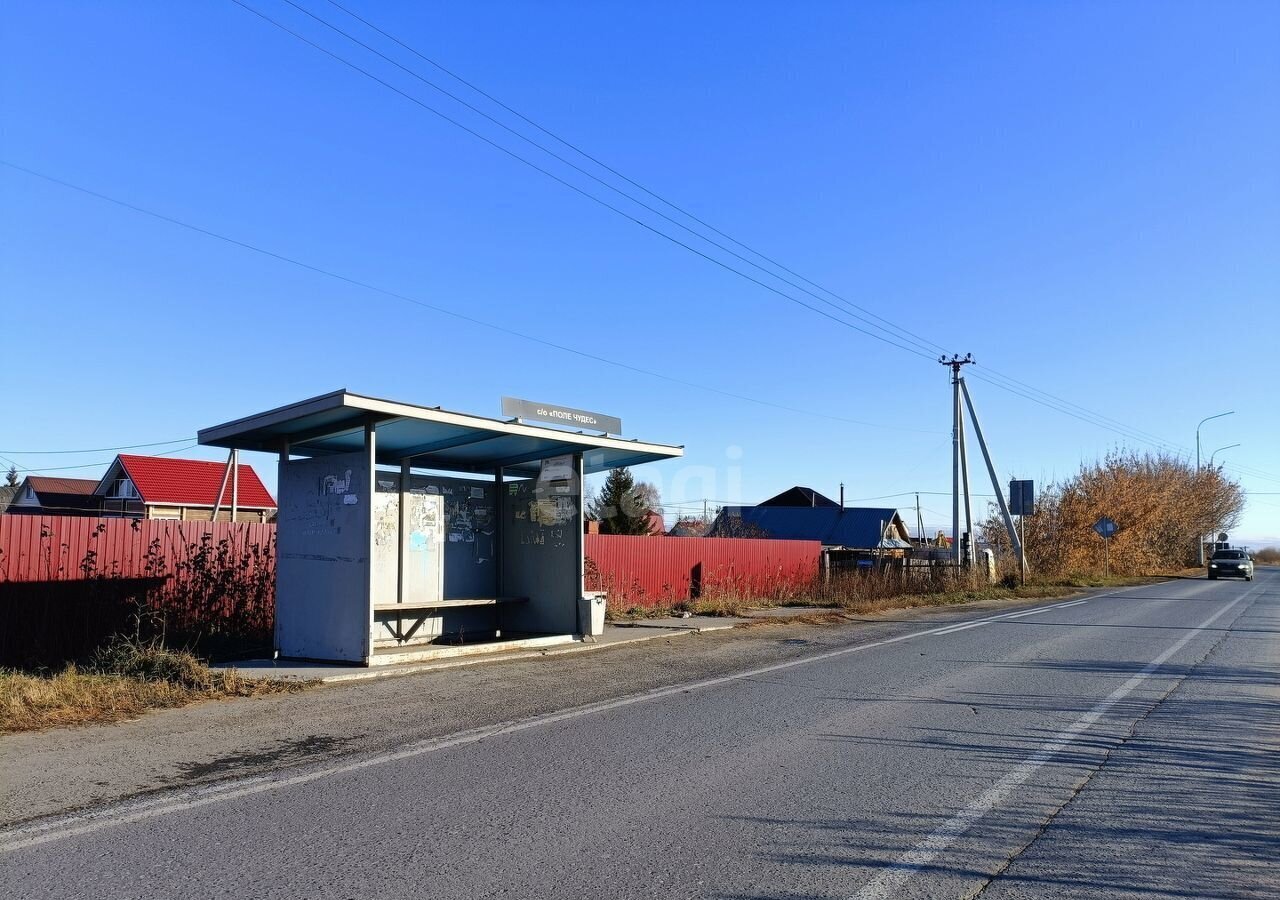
[560, 415]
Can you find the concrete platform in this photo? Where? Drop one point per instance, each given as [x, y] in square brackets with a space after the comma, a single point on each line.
[293, 670]
[692, 623]
[390, 656]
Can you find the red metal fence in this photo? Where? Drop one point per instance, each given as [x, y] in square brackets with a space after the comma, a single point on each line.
[651, 570]
[67, 583]
[68, 548]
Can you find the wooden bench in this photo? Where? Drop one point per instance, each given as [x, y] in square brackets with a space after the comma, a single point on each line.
[423, 609]
[446, 604]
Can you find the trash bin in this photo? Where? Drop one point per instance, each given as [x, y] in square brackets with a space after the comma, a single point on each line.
[591, 613]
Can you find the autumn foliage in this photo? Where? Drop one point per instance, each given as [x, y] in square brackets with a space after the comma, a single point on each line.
[1161, 503]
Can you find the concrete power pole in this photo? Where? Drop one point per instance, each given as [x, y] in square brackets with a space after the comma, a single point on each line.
[1014, 539]
[958, 462]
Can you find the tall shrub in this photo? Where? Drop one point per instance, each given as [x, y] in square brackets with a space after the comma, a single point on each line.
[1161, 503]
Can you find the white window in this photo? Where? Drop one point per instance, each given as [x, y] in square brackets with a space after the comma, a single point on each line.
[123, 489]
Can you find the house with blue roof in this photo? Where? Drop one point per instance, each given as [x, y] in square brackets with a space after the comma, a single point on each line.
[803, 514]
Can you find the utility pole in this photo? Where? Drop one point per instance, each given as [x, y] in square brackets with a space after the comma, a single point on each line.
[957, 454]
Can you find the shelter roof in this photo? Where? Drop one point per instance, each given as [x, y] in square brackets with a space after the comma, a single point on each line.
[432, 437]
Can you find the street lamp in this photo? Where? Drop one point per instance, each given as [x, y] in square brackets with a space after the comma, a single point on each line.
[1219, 450]
[1200, 539]
[1202, 421]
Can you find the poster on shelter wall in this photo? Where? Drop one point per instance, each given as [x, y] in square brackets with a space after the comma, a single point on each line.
[558, 475]
[556, 491]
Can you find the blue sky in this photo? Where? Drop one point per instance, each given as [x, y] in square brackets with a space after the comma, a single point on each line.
[1084, 195]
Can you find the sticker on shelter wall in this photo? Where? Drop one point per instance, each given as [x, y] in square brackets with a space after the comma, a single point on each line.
[477, 493]
[432, 489]
[350, 499]
[332, 484]
[553, 510]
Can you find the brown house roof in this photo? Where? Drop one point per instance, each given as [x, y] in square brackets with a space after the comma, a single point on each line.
[43, 484]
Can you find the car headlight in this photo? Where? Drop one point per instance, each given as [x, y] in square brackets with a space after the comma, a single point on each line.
[1213, 565]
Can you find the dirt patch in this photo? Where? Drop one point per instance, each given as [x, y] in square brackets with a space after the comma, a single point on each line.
[289, 752]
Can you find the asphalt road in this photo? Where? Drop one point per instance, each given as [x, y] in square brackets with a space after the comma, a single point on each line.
[1123, 745]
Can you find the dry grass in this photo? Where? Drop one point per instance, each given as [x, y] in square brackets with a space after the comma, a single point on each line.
[123, 681]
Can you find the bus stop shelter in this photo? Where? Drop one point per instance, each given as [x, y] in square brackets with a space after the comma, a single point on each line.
[379, 557]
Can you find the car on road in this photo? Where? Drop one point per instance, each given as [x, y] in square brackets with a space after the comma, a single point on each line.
[1231, 564]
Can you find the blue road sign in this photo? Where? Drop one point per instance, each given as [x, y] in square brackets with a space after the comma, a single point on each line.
[1106, 527]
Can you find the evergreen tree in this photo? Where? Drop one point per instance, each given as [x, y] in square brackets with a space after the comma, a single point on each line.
[11, 477]
[621, 505]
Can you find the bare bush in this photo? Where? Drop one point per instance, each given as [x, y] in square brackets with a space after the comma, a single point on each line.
[1268, 556]
[1161, 503]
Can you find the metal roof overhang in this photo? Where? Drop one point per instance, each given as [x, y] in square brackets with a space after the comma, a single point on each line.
[432, 438]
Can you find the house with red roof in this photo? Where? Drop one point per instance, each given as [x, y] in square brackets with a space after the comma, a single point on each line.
[161, 487]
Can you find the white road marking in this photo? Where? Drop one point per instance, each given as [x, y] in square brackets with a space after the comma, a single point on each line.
[1036, 612]
[75, 824]
[890, 880]
[952, 629]
[964, 627]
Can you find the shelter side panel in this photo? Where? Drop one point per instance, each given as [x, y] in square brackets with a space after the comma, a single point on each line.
[322, 575]
[540, 558]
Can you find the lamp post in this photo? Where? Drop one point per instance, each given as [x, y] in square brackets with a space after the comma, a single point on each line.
[1200, 538]
[1219, 450]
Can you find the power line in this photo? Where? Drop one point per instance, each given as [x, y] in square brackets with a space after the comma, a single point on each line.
[363, 285]
[630, 181]
[903, 334]
[573, 187]
[93, 449]
[94, 465]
